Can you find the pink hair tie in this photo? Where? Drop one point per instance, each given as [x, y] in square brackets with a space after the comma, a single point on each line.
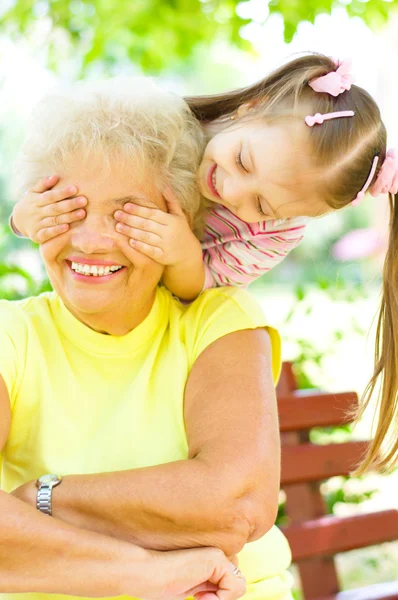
[387, 179]
[362, 192]
[318, 119]
[335, 82]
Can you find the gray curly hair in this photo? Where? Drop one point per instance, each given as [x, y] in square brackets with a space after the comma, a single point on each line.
[126, 119]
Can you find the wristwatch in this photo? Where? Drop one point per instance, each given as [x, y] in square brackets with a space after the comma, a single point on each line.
[45, 485]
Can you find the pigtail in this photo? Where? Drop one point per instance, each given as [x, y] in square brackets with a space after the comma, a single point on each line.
[383, 450]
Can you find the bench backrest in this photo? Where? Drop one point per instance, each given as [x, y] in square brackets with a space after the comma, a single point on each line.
[314, 536]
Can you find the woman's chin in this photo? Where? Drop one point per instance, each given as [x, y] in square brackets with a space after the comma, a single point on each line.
[91, 303]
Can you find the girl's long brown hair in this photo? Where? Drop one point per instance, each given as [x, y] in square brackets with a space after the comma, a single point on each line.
[383, 451]
[343, 151]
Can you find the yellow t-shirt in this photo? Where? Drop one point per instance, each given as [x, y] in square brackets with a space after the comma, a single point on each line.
[84, 402]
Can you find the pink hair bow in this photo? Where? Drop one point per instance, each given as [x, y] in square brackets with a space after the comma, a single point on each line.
[387, 179]
[336, 82]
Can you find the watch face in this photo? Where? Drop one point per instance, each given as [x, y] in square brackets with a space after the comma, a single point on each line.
[47, 479]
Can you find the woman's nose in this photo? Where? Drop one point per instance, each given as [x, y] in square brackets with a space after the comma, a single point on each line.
[94, 235]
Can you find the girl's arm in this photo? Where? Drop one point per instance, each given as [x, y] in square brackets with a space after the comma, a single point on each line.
[186, 279]
[167, 238]
[42, 213]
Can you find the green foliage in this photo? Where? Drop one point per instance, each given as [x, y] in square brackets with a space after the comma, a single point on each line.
[374, 12]
[158, 34]
[308, 363]
[344, 494]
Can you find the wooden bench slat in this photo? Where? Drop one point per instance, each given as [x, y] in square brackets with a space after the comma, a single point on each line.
[329, 535]
[315, 410]
[311, 462]
[314, 537]
[379, 591]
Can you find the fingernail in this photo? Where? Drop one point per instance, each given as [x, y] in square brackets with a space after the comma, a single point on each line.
[80, 213]
[132, 242]
[119, 227]
[81, 201]
[72, 189]
[118, 214]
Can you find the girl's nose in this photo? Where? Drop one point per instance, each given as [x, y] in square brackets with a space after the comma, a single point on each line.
[234, 192]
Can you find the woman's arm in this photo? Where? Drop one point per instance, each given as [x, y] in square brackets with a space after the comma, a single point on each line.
[226, 493]
[38, 554]
[45, 555]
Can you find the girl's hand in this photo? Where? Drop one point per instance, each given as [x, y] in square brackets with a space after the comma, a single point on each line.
[43, 213]
[204, 573]
[166, 237]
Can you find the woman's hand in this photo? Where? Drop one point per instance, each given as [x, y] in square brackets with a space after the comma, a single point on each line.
[166, 237]
[204, 573]
[43, 213]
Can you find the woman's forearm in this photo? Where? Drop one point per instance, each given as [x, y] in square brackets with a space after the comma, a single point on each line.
[176, 505]
[42, 554]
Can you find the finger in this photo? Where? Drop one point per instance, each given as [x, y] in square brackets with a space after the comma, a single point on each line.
[230, 585]
[174, 208]
[57, 195]
[138, 222]
[203, 587]
[169, 195]
[146, 212]
[43, 235]
[45, 184]
[65, 206]
[152, 239]
[71, 217]
[153, 252]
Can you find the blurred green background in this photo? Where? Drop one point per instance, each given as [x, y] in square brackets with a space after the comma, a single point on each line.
[324, 296]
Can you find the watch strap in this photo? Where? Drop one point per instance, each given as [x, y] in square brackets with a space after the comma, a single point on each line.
[44, 497]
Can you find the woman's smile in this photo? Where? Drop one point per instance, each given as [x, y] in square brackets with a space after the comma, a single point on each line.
[89, 270]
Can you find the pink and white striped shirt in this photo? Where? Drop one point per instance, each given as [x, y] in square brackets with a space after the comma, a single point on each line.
[236, 253]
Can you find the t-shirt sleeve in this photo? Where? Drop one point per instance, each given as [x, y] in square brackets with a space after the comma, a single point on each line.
[221, 311]
[12, 342]
[239, 262]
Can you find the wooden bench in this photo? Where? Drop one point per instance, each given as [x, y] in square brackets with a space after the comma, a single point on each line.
[315, 537]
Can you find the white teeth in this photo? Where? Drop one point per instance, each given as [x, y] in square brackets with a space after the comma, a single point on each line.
[94, 270]
[213, 179]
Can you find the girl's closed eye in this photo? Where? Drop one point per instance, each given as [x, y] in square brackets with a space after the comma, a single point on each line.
[260, 208]
[238, 160]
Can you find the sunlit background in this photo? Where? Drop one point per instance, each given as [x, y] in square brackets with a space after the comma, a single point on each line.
[325, 295]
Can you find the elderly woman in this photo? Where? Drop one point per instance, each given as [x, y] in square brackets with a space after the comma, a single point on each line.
[138, 423]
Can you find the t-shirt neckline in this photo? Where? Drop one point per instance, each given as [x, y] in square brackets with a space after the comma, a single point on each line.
[92, 341]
